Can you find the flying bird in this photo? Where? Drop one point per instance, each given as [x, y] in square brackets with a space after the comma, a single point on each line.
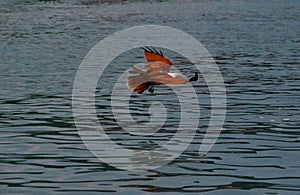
[157, 73]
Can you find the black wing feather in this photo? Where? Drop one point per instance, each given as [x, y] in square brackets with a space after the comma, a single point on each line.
[153, 50]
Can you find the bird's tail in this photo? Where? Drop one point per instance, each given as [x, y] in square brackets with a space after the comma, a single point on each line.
[138, 83]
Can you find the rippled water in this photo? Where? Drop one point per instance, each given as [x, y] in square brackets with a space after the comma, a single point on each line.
[255, 44]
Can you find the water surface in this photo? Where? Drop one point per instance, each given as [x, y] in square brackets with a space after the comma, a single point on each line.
[255, 44]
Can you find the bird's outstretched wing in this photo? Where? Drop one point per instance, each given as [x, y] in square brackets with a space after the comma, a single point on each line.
[152, 54]
[168, 80]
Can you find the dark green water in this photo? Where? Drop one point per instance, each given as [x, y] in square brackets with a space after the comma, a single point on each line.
[255, 44]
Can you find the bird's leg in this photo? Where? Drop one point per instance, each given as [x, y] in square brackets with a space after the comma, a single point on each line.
[151, 89]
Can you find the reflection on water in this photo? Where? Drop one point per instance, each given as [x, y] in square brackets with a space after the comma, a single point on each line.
[43, 43]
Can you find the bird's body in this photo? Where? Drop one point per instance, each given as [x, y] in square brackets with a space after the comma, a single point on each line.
[157, 73]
